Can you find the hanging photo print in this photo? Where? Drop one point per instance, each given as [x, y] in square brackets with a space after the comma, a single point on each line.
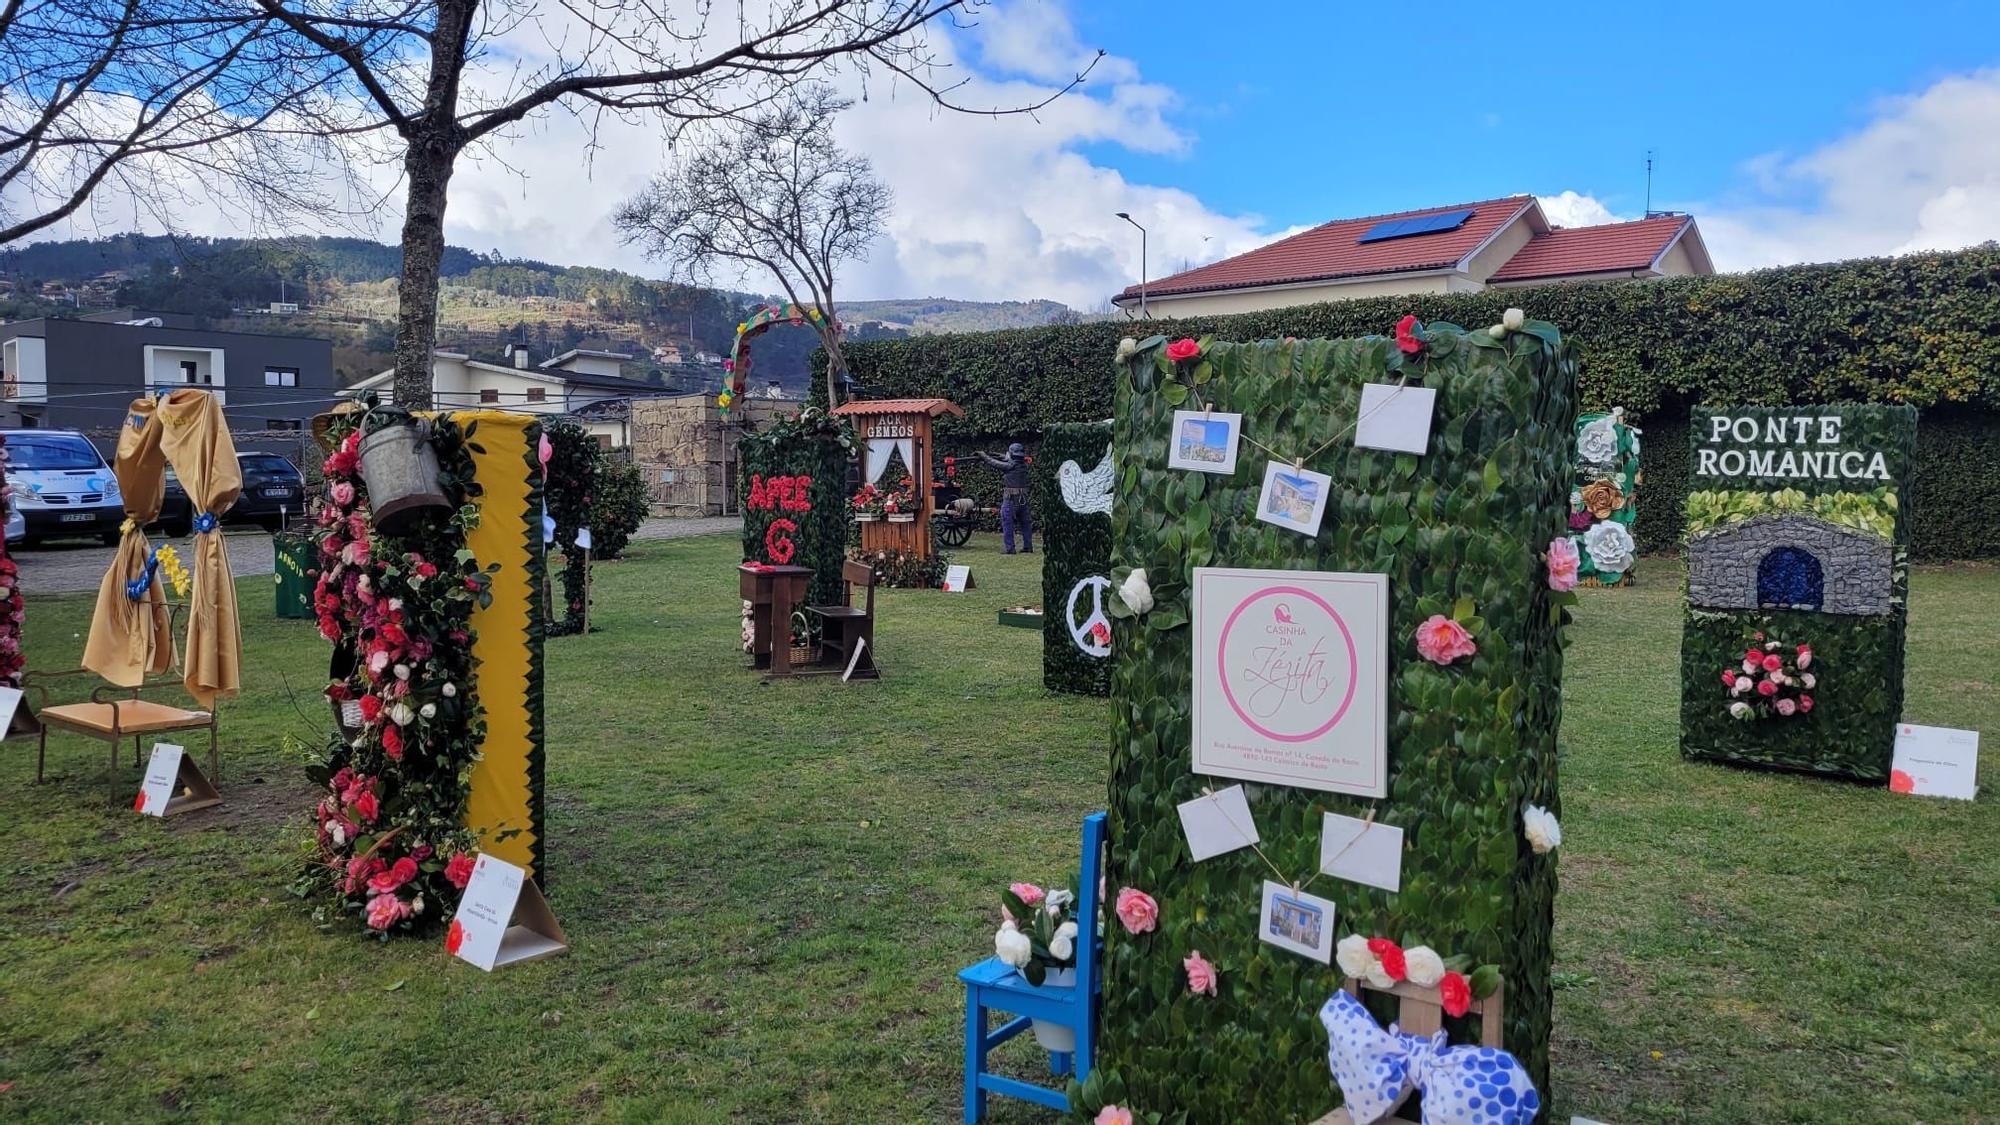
[1293, 497]
[1292, 919]
[1205, 441]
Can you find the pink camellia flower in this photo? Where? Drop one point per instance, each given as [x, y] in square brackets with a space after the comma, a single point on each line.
[1563, 561]
[1786, 707]
[343, 493]
[1773, 663]
[385, 911]
[458, 870]
[1767, 688]
[404, 870]
[1805, 657]
[1729, 677]
[1805, 704]
[1442, 640]
[1028, 893]
[1137, 910]
[1112, 1115]
[1200, 974]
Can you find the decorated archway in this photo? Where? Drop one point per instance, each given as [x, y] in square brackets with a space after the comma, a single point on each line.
[737, 366]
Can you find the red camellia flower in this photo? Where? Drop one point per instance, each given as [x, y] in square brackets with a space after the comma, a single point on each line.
[1805, 703]
[1184, 348]
[404, 870]
[392, 742]
[1766, 687]
[459, 870]
[1773, 663]
[1406, 336]
[371, 708]
[1391, 956]
[367, 807]
[1754, 654]
[1729, 677]
[1454, 994]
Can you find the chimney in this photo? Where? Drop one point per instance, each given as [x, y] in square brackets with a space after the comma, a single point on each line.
[520, 353]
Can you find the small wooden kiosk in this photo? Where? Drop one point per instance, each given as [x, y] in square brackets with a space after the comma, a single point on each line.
[902, 426]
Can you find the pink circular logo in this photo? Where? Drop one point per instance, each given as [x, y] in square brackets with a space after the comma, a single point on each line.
[1276, 668]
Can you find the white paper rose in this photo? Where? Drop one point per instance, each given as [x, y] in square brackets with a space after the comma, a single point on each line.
[1353, 957]
[1059, 898]
[1012, 946]
[1136, 593]
[1127, 348]
[1378, 976]
[1064, 941]
[1598, 443]
[1514, 319]
[1610, 547]
[1423, 966]
[1539, 826]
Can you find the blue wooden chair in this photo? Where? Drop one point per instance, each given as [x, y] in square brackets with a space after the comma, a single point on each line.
[994, 985]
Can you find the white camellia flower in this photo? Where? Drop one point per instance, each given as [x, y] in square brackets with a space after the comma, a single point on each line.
[1136, 593]
[1498, 332]
[1739, 710]
[1610, 547]
[339, 835]
[1539, 826]
[1742, 686]
[402, 671]
[417, 905]
[1127, 348]
[402, 714]
[1514, 319]
[1353, 957]
[1423, 966]
[1012, 946]
[1597, 444]
[449, 690]
[1809, 680]
[428, 710]
[1064, 941]
[395, 603]
[1059, 898]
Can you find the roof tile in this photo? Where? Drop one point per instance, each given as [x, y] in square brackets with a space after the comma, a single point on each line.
[1612, 247]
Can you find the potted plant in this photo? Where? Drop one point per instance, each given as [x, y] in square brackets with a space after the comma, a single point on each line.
[1038, 937]
[868, 504]
[901, 505]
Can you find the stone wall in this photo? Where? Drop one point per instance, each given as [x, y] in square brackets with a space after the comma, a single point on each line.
[1858, 567]
[687, 455]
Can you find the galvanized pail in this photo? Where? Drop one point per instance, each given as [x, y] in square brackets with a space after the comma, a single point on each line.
[401, 470]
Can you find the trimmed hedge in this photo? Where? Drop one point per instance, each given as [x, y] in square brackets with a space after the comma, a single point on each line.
[808, 445]
[1923, 329]
[1461, 531]
[1075, 546]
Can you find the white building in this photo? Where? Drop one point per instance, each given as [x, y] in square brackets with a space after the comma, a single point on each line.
[563, 385]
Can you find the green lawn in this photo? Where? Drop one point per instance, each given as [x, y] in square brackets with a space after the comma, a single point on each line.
[769, 888]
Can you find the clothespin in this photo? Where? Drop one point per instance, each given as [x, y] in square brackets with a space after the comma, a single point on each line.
[1298, 464]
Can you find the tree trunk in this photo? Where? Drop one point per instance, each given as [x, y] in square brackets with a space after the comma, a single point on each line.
[427, 167]
[836, 360]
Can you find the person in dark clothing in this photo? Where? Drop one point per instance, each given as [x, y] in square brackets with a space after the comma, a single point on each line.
[1014, 511]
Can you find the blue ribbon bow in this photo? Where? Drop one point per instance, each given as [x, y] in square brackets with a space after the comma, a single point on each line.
[204, 522]
[1376, 1069]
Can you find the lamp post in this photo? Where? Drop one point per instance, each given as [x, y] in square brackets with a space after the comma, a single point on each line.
[1143, 314]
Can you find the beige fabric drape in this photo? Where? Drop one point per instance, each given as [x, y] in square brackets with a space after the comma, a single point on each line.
[195, 438]
[129, 639]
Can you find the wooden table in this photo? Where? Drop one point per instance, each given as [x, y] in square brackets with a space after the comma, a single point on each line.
[773, 592]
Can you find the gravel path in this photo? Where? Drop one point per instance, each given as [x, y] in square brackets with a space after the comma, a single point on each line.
[66, 567]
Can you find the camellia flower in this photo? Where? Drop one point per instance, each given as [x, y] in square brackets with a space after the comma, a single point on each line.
[1112, 1115]
[402, 871]
[1127, 348]
[1059, 898]
[1407, 339]
[385, 911]
[1028, 893]
[1013, 946]
[1442, 640]
[1563, 561]
[1808, 680]
[1353, 957]
[1200, 974]
[1514, 319]
[1394, 965]
[1805, 703]
[1805, 657]
[1184, 348]
[402, 715]
[1767, 688]
[1454, 994]
[1063, 942]
[1424, 966]
[366, 806]
[1540, 827]
[1739, 710]
[1135, 592]
[458, 870]
[1786, 707]
[1773, 663]
[1136, 910]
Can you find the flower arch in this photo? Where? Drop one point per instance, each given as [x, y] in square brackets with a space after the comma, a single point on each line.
[737, 366]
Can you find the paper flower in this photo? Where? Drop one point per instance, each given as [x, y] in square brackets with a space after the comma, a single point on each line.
[1353, 957]
[1137, 911]
[1183, 349]
[1012, 946]
[1597, 443]
[1394, 965]
[1200, 973]
[1454, 994]
[1563, 561]
[1063, 943]
[1409, 337]
[1424, 966]
[1127, 348]
[1135, 592]
[1514, 319]
[1610, 547]
[1540, 827]
[1603, 497]
[1442, 640]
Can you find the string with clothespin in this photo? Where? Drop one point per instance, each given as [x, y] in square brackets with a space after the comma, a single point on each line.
[1249, 837]
[1297, 463]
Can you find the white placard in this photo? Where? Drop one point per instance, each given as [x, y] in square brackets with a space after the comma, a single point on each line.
[1935, 762]
[956, 579]
[1394, 417]
[1294, 498]
[10, 701]
[1289, 678]
[1296, 921]
[502, 918]
[1361, 851]
[1218, 822]
[163, 775]
[1205, 441]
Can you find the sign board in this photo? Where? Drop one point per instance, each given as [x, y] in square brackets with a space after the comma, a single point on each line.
[10, 703]
[1396, 418]
[1289, 682]
[502, 919]
[174, 784]
[1935, 762]
[957, 579]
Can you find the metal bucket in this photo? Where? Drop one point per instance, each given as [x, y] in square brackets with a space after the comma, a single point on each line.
[401, 470]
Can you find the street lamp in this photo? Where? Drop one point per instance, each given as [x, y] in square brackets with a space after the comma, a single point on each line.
[1143, 314]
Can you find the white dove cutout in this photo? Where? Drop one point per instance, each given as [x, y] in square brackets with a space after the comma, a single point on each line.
[1090, 492]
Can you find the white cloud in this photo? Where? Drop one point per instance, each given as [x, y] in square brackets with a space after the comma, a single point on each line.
[1574, 209]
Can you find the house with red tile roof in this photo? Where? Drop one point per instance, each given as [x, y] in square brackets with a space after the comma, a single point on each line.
[1461, 248]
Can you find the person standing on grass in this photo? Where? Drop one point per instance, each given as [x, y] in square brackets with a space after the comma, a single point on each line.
[1013, 498]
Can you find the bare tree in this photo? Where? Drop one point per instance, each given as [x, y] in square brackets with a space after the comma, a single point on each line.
[769, 193]
[437, 77]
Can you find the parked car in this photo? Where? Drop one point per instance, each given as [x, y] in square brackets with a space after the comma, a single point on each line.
[62, 487]
[273, 490]
[17, 525]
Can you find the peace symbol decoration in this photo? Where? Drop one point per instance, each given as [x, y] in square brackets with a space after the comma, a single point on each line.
[1092, 635]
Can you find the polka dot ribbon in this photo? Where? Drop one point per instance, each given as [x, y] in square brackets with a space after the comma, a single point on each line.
[1376, 1069]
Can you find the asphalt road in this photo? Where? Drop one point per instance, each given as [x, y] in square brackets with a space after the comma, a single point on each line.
[78, 566]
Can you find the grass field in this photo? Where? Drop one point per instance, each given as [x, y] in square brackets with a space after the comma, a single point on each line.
[769, 888]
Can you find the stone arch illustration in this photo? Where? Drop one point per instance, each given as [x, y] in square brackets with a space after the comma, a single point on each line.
[1736, 566]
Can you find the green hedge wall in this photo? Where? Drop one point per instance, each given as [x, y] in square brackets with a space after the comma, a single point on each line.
[1074, 547]
[1857, 660]
[1923, 329]
[1469, 746]
[811, 446]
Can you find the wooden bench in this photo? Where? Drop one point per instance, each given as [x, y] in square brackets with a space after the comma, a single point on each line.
[844, 628]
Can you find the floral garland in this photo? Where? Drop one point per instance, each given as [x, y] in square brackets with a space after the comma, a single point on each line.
[1771, 682]
[390, 842]
[12, 605]
[1383, 964]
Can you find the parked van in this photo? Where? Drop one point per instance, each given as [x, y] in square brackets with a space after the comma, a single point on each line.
[61, 486]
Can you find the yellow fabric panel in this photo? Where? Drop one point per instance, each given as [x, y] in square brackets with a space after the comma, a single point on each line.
[507, 667]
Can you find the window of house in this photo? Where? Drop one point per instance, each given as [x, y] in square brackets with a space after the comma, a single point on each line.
[187, 370]
[489, 395]
[281, 376]
[604, 441]
[538, 394]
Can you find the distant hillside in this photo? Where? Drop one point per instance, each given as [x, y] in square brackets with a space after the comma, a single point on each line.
[942, 314]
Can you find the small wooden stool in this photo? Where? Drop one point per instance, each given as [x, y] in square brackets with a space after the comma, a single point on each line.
[1422, 1013]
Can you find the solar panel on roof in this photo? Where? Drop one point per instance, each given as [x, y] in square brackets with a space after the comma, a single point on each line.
[1422, 224]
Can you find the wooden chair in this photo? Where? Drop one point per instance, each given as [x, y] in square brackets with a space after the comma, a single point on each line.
[115, 713]
[843, 627]
[1421, 1012]
[994, 985]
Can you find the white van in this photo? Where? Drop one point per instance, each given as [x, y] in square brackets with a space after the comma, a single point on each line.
[61, 486]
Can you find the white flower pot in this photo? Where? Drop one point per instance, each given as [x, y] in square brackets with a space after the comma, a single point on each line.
[865, 518]
[902, 517]
[1055, 1036]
